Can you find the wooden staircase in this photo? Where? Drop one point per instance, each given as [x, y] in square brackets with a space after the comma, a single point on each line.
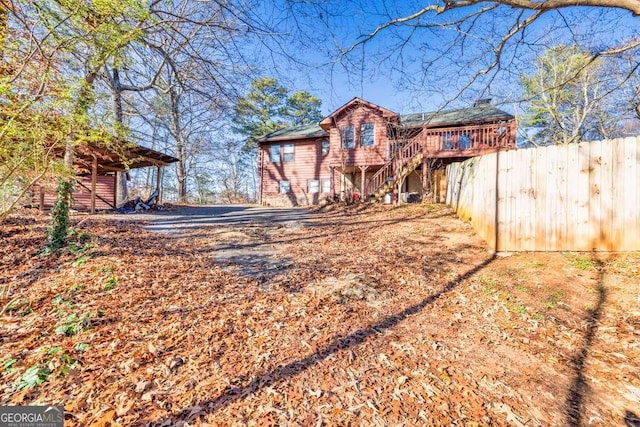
[401, 164]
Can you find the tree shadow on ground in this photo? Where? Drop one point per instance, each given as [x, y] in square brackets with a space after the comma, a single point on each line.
[262, 380]
[578, 389]
[631, 419]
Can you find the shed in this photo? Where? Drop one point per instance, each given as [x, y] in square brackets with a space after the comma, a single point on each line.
[96, 167]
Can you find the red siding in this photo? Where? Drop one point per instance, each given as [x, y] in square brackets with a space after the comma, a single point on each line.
[375, 155]
[308, 164]
[105, 188]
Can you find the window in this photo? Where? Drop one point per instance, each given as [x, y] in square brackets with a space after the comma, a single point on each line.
[275, 154]
[325, 147]
[285, 187]
[447, 141]
[367, 138]
[465, 141]
[288, 153]
[313, 186]
[326, 185]
[346, 134]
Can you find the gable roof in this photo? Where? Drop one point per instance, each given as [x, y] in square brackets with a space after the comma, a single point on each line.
[327, 121]
[295, 132]
[460, 116]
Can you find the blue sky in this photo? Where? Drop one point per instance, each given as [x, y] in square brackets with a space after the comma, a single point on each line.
[396, 78]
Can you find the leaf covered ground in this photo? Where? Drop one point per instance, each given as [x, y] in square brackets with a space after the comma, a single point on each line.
[372, 316]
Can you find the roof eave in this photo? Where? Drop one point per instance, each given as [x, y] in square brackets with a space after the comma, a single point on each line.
[459, 123]
[289, 138]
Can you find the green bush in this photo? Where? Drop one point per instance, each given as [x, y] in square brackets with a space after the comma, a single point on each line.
[57, 232]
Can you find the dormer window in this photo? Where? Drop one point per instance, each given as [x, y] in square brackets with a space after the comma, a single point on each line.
[367, 136]
[346, 134]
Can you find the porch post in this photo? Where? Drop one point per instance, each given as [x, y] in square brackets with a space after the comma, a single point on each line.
[396, 192]
[425, 178]
[94, 178]
[158, 185]
[363, 190]
[333, 186]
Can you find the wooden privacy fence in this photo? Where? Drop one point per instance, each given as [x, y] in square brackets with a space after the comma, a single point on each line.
[577, 197]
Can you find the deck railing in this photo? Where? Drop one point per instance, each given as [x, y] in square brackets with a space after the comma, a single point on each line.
[443, 142]
[464, 138]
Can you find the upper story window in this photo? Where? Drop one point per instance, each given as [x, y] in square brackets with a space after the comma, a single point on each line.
[324, 145]
[448, 141]
[274, 153]
[367, 138]
[288, 153]
[464, 142]
[346, 134]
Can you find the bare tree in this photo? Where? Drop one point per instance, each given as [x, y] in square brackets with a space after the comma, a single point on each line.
[196, 66]
[461, 49]
[572, 98]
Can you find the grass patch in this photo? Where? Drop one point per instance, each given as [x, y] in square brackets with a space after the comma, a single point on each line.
[520, 309]
[553, 299]
[521, 288]
[581, 262]
[489, 285]
[110, 283]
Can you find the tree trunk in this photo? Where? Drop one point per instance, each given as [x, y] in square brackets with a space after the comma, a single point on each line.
[181, 152]
[122, 192]
[4, 17]
[181, 172]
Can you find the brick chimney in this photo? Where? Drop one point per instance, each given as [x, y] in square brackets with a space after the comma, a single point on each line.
[482, 102]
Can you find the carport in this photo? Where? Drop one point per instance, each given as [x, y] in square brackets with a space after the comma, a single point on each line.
[97, 168]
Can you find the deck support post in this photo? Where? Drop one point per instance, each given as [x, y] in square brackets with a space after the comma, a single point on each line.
[363, 190]
[94, 178]
[425, 178]
[158, 185]
[332, 184]
[396, 192]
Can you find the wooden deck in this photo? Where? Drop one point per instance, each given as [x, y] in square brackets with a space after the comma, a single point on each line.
[469, 141]
[432, 143]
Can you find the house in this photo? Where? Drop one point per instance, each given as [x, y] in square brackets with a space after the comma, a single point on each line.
[363, 151]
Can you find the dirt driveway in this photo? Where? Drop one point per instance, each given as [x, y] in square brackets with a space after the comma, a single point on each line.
[243, 233]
